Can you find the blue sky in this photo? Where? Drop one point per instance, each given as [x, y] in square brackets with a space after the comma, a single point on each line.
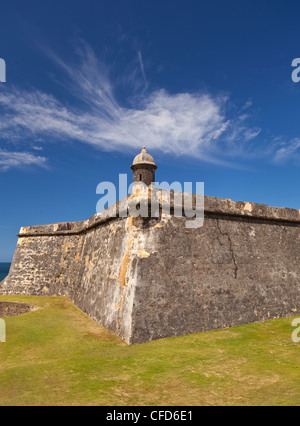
[205, 85]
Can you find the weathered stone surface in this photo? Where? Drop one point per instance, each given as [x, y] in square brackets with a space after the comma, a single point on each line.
[149, 278]
[231, 271]
[95, 269]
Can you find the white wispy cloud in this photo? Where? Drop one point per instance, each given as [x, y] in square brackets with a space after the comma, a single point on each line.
[19, 159]
[140, 58]
[194, 124]
[287, 150]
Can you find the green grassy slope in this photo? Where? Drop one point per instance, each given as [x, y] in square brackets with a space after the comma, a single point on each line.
[59, 356]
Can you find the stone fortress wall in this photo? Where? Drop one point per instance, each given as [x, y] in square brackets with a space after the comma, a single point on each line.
[150, 278]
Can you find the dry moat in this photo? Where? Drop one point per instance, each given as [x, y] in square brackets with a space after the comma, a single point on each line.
[12, 309]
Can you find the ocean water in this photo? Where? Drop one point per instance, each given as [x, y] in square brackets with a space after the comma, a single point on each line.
[4, 269]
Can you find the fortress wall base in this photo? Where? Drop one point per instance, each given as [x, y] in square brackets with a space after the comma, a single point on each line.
[231, 271]
[94, 269]
[146, 279]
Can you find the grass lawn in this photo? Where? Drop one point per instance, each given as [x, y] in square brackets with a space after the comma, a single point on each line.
[59, 356]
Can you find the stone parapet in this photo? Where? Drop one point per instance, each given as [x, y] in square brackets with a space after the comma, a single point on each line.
[212, 206]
